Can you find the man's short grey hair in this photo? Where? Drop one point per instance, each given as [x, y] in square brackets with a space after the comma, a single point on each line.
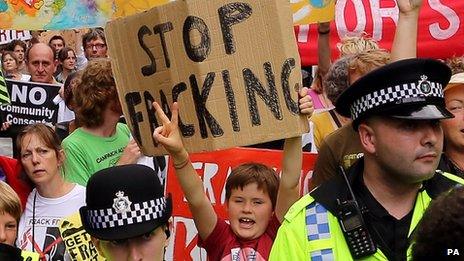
[337, 78]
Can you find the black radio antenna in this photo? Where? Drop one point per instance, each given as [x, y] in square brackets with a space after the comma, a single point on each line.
[342, 171]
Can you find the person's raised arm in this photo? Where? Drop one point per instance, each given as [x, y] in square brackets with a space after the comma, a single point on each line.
[405, 41]
[169, 136]
[289, 181]
[289, 191]
[323, 48]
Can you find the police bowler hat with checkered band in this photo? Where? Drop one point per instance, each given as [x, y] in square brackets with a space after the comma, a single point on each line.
[407, 89]
[124, 202]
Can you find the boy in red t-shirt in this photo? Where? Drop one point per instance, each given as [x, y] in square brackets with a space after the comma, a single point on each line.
[256, 201]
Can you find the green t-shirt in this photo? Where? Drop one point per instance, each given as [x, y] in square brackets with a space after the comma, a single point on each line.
[87, 153]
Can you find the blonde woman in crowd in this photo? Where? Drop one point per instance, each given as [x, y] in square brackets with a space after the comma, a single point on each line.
[53, 197]
[453, 158]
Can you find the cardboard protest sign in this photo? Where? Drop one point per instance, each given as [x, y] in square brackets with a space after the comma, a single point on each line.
[31, 102]
[214, 168]
[312, 11]
[77, 240]
[233, 67]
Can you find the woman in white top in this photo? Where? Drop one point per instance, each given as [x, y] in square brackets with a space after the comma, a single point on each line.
[10, 67]
[52, 199]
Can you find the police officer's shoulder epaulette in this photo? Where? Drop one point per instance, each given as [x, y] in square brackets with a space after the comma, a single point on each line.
[328, 193]
[297, 207]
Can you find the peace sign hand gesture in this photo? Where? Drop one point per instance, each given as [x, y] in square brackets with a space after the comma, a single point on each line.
[168, 133]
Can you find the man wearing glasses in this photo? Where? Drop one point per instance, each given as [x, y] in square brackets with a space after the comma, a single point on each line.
[94, 44]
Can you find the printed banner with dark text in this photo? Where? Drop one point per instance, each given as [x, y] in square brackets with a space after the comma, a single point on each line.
[31, 102]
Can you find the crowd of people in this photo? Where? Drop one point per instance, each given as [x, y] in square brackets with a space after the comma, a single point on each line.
[388, 129]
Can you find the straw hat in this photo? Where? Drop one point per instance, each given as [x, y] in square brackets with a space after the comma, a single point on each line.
[456, 80]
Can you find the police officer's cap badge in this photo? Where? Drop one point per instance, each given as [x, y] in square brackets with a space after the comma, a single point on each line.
[424, 85]
[121, 203]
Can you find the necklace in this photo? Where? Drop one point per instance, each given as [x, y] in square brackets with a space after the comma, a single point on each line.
[33, 221]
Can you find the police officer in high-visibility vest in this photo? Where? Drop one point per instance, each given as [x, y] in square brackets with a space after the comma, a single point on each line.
[371, 215]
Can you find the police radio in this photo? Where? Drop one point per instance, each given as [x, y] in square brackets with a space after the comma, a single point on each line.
[354, 229]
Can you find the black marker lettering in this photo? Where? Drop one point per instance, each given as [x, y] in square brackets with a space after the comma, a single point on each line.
[200, 108]
[133, 99]
[231, 101]
[287, 67]
[150, 69]
[186, 130]
[196, 53]
[253, 86]
[161, 29]
[231, 14]
[151, 113]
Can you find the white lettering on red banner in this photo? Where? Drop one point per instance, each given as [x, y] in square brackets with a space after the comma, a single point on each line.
[439, 25]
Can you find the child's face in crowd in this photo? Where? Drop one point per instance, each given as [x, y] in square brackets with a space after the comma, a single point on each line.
[249, 211]
[147, 247]
[8, 229]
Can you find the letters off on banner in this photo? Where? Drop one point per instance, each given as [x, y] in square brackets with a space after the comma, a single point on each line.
[440, 35]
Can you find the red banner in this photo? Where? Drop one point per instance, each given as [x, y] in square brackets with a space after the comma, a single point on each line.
[440, 35]
[214, 168]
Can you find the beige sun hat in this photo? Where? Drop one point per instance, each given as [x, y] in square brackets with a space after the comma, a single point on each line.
[456, 80]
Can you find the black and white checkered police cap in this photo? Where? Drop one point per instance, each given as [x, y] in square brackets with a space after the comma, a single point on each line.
[407, 89]
[124, 202]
